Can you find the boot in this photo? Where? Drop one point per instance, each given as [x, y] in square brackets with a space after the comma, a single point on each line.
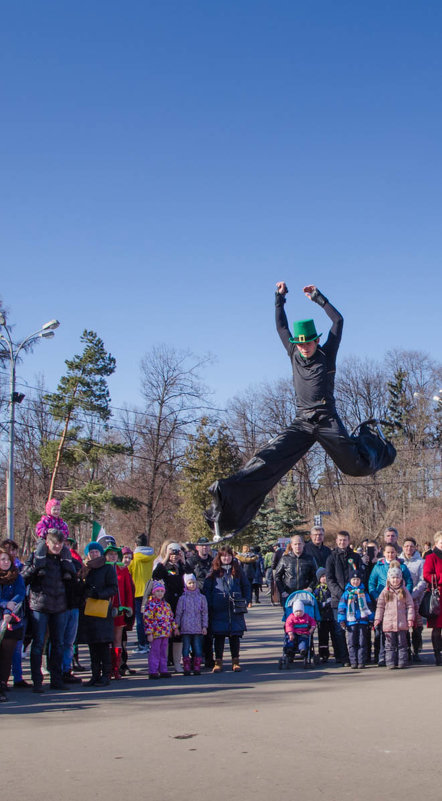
[95, 666]
[76, 665]
[236, 667]
[436, 640]
[177, 649]
[116, 662]
[218, 666]
[197, 665]
[187, 665]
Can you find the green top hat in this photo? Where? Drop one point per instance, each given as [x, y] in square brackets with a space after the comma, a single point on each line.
[304, 331]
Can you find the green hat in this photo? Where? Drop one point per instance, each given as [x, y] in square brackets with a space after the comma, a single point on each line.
[304, 331]
[112, 547]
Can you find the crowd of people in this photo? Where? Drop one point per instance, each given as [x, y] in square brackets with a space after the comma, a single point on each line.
[186, 601]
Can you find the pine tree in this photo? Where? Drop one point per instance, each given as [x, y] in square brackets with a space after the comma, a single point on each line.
[209, 455]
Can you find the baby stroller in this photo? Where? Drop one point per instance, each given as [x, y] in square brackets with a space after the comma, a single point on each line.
[290, 649]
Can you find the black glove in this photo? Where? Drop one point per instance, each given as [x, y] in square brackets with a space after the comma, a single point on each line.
[318, 297]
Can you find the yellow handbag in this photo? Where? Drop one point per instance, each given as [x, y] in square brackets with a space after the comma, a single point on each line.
[96, 607]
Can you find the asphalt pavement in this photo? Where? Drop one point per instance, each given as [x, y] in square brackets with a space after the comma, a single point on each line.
[322, 732]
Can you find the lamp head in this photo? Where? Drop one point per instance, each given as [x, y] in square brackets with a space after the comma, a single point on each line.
[51, 325]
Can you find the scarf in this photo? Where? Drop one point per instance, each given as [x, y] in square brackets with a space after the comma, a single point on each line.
[92, 564]
[356, 601]
[8, 576]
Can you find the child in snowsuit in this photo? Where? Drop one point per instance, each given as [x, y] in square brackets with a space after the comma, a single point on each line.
[326, 626]
[192, 618]
[299, 625]
[355, 616]
[159, 625]
[395, 610]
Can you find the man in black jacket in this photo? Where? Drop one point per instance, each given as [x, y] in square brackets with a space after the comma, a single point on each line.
[46, 576]
[237, 499]
[295, 570]
[341, 564]
[316, 549]
[200, 564]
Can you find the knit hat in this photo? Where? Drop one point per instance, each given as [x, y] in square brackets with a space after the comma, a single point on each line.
[173, 546]
[50, 504]
[113, 547]
[321, 571]
[298, 606]
[189, 577]
[157, 585]
[125, 549]
[356, 574]
[93, 546]
[394, 572]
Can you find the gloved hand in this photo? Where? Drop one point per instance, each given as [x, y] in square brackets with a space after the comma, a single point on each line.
[93, 593]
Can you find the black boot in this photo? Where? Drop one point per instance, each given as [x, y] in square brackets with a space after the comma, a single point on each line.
[95, 664]
[436, 639]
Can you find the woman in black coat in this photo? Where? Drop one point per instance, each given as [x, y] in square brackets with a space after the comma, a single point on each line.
[100, 581]
[171, 571]
[226, 582]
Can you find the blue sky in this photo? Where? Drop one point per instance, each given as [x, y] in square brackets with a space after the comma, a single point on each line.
[165, 163]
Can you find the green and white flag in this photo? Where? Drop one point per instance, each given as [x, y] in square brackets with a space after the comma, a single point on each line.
[98, 531]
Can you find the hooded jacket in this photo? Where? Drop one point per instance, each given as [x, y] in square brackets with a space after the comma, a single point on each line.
[192, 614]
[141, 568]
[396, 614]
[361, 610]
[378, 578]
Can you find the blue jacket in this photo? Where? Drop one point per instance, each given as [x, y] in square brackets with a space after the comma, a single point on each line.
[378, 578]
[218, 591]
[342, 607]
[13, 592]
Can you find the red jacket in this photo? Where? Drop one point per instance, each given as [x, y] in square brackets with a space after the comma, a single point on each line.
[125, 595]
[433, 567]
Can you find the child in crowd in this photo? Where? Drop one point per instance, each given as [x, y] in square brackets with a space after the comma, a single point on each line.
[395, 610]
[192, 619]
[52, 519]
[159, 625]
[355, 616]
[299, 626]
[326, 624]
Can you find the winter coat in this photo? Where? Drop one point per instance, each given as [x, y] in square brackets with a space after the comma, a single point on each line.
[378, 578]
[317, 553]
[218, 589]
[339, 566]
[140, 568]
[396, 614]
[158, 619]
[433, 567]
[200, 568]
[15, 592]
[100, 582]
[300, 625]
[415, 566]
[192, 612]
[251, 566]
[343, 616]
[47, 591]
[295, 573]
[124, 596]
[172, 575]
[47, 522]
[323, 597]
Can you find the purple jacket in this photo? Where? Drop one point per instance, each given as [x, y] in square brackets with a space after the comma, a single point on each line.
[192, 613]
[47, 522]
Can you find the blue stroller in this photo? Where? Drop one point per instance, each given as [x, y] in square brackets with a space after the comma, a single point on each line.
[290, 650]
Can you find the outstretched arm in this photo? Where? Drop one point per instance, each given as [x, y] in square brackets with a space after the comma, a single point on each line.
[282, 325]
[334, 338]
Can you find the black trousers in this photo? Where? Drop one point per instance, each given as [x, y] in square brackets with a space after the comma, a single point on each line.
[326, 631]
[237, 499]
[234, 642]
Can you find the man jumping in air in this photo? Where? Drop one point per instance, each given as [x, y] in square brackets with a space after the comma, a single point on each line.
[237, 499]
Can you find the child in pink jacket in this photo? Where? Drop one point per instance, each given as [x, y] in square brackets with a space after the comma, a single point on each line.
[395, 610]
[299, 625]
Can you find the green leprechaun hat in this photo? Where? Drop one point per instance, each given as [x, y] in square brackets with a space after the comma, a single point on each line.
[304, 331]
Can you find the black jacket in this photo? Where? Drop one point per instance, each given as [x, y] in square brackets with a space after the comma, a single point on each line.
[200, 568]
[172, 575]
[47, 587]
[318, 554]
[340, 565]
[295, 573]
[314, 378]
[100, 582]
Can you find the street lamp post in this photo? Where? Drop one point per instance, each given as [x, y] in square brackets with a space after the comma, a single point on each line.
[12, 351]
